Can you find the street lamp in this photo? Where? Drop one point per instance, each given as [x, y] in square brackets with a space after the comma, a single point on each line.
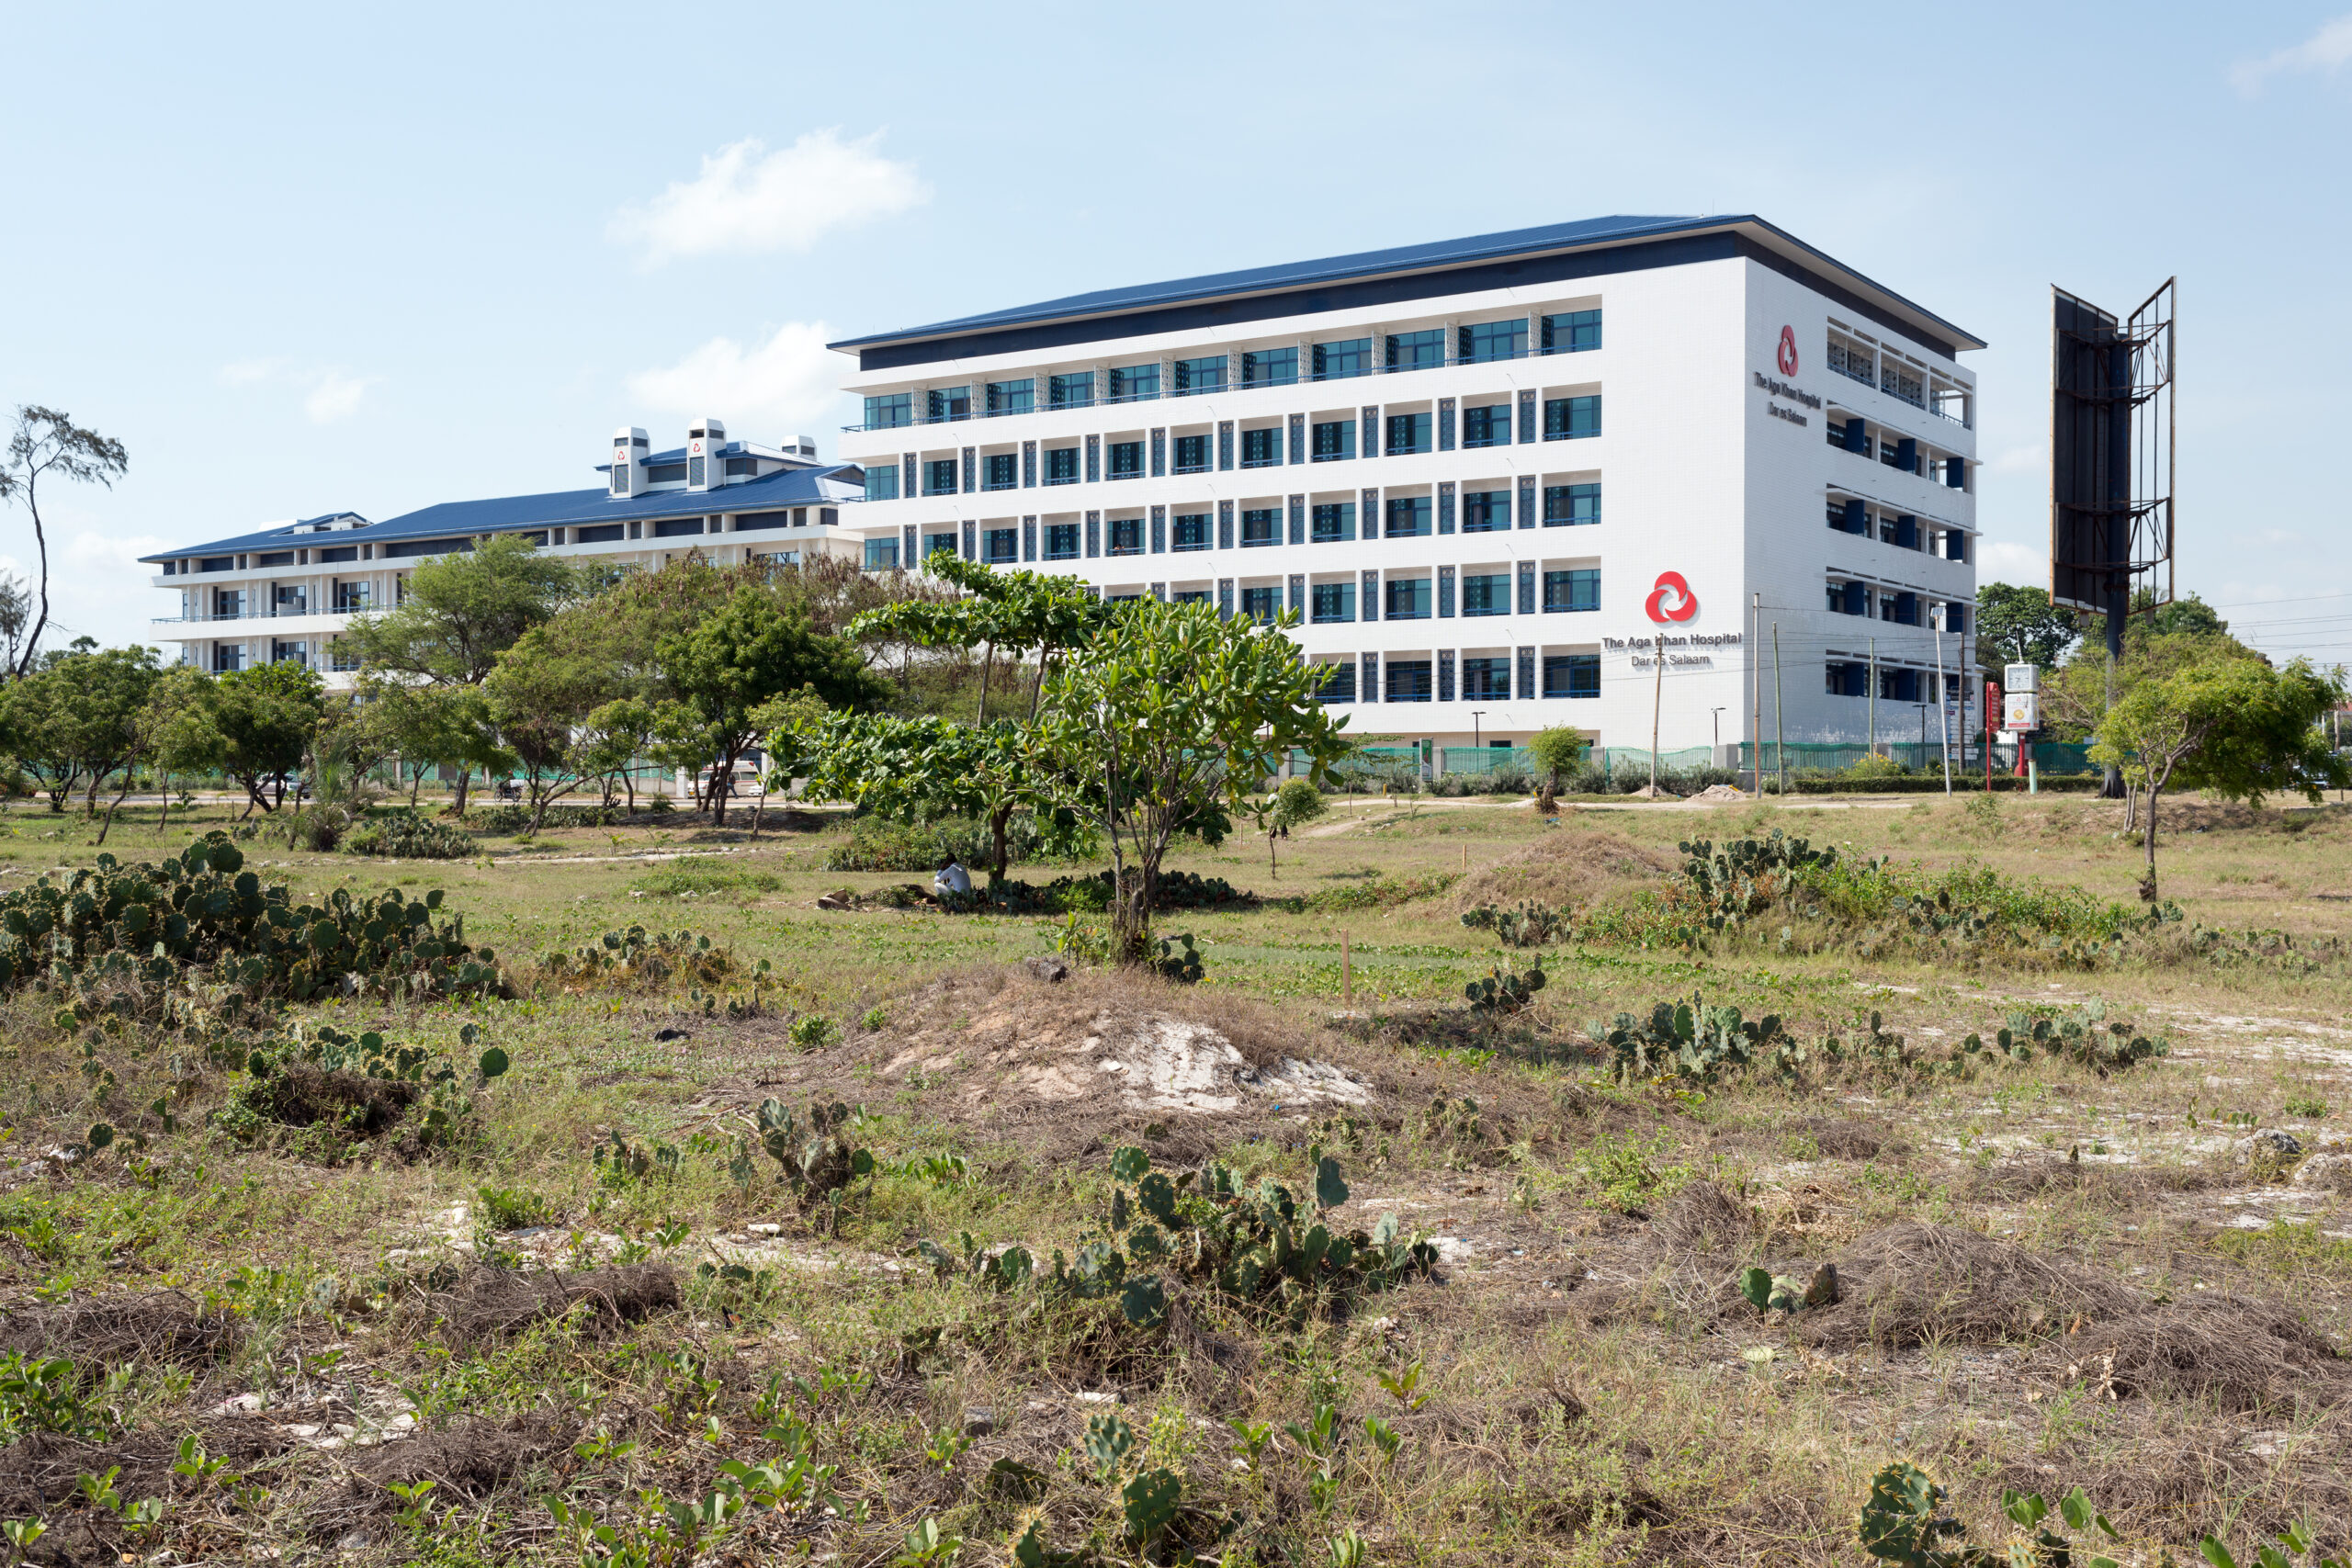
[1475, 715]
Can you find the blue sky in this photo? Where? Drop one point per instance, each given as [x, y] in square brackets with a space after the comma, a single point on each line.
[305, 260]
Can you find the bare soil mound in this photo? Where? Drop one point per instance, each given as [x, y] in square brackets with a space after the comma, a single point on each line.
[1914, 1284]
[1065, 1067]
[1706, 1221]
[490, 1303]
[2247, 1356]
[1567, 869]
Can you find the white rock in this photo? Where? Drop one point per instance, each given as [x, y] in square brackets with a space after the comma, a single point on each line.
[2324, 1173]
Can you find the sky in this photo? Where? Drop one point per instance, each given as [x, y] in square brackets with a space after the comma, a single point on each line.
[328, 258]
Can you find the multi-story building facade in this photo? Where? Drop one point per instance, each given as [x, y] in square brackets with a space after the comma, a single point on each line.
[1490, 475]
[1494, 476]
[285, 591]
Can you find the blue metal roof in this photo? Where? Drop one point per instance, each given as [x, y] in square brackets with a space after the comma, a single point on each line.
[820, 485]
[1431, 256]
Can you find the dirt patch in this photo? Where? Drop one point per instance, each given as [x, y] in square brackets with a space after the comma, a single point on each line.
[1103, 1055]
[1914, 1283]
[474, 1458]
[2247, 1356]
[1566, 870]
[164, 1328]
[491, 1303]
[1705, 1221]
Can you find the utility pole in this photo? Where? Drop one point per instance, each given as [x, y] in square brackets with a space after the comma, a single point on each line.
[1780, 727]
[1873, 696]
[1658, 705]
[1719, 730]
[1756, 670]
[1943, 720]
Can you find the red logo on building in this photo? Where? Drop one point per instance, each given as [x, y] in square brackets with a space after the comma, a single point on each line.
[1671, 600]
[1788, 351]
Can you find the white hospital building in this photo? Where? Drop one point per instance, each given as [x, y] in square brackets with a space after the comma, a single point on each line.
[1489, 474]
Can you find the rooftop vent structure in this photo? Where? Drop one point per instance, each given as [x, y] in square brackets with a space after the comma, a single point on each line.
[630, 447]
[706, 470]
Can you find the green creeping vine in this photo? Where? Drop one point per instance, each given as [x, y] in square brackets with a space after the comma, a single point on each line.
[138, 930]
[1257, 1248]
[1903, 1522]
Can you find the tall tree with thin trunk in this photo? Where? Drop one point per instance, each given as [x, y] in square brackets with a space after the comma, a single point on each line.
[47, 444]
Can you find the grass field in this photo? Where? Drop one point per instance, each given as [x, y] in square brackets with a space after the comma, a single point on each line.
[312, 1334]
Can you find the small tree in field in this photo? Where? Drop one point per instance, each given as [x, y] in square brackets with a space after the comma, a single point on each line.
[1169, 710]
[1295, 802]
[1558, 751]
[914, 769]
[2232, 726]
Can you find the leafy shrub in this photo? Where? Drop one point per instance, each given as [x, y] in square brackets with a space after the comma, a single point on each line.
[404, 835]
[438, 1102]
[1256, 1248]
[1878, 766]
[1530, 925]
[1373, 892]
[703, 875]
[1091, 894]
[876, 843]
[513, 819]
[136, 932]
[1747, 875]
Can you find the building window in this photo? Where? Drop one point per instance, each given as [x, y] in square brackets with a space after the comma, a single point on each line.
[1334, 522]
[1127, 459]
[1333, 602]
[1409, 680]
[1486, 680]
[1407, 599]
[1488, 426]
[1261, 525]
[1408, 432]
[1572, 331]
[1487, 595]
[1205, 374]
[1336, 441]
[289, 652]
[1192, 530]
[1263, 604]
[1071, 391]
[1417, 351]
[1262, 448]
[339, 658]
[1408, 517]
[1190, 596]
[1340, 685]
[882, 482]
[1483, 341]
[1061, 465]
[1577, 590]
[1002, 471]
[1192, 454]
[881, 554]
[1901, 608]
[1000, 547]
[939, 544]
[1338, 361]
[1061, 541]
[1012, 397]
[1486, 512]
[939, 477]
[1571, 419]
[1572, 675]
[949, 403]
[1567, 506]
[350, 598]
[1269, 367]
[889, 410]
[227, 657]
[1134, 384]
[1847, 679]
[1127, 536]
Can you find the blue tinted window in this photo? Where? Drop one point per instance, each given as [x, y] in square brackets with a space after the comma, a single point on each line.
[1340, 686]
[1071, 391]
[1485, 511]
[1408, 432]
[1572, 331]
[891, 411]
[1572, 675]
[1262, 448]
[1494, 340]
[1061, 465]
[1569, 505]
[1127, 459]
[949, 403]
[1486, 680]
[1000, 470]
[1061, 541]
[1205, 374]
[881, 554]
[939, 477]
[882, 482]
[1578, 590]
[1261, 604]
[1337, 361]
[1192, 454]
[1000, 547]
[1334, 601]
[1409, 515]
[1269, 367]
[1334, 522]
[1488, 426]
[1192, 530]
[1487, 595]
[1335, 441]
[1127, 536]
[1261, 526]
[1408, 680]
[1570, 418]
[1134, 384]
[1012, 397]
[1407, 599]
[1417, 351]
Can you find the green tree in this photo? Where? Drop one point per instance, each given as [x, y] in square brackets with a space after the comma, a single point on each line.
[919, 770]
[266, 716]
[178, 730]
[614, 737]
[733, 662]
[47, 444]
[2020, 626]
[426, 726]
[1169, 710]
[75, 720]
[1558, 750]
[2235, 727]
[1295, 802]
[1019, 612]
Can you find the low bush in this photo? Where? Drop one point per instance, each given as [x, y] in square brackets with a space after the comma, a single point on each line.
[703, 876]
[345, 1086]
[404, 835]
[640, 959]
[877, 844]
[512, 819]
[1091, 894]
[1373, 892]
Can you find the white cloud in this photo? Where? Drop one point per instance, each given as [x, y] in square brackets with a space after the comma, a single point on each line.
[2026, 459]
[748, 199]
[785, 384]
[1997, 561]
[327, 395]
[89, 572]
[2328, 51]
